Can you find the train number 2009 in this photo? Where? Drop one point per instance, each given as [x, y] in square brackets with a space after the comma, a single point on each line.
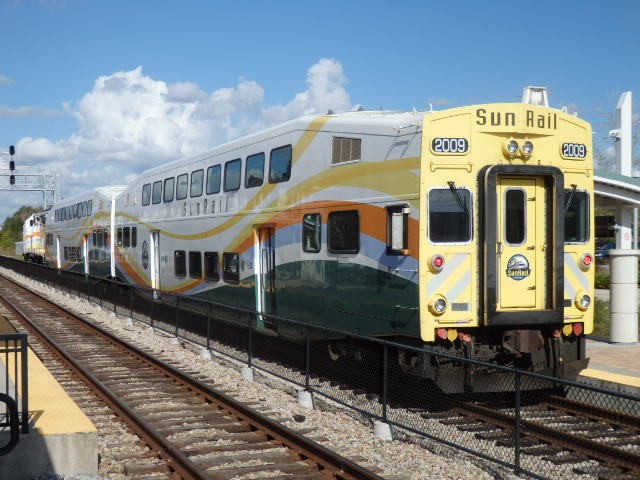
[574, 150]
[450, 145]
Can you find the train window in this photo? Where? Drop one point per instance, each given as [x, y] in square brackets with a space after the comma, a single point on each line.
[450, 215]
[126, 237]
[156, 195]
[254, 174]
[232, 171]
[146, 194]
[183, 186]
[311, 229]
[134, 237]
[344, 232]
[397, 229]
[515, 228]
[195, 264]
[119, 237]
[196, 183]
[230, 267]
[169, 188]
[213, 179]
[576, 216]
[211, 266]
[280, 164]
[180, 263]
[345, 150]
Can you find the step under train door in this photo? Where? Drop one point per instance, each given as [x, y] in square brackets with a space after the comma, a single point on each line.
[524, 274]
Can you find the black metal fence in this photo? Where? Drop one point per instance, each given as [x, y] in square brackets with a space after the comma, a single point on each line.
[14, 390]
[381, 387]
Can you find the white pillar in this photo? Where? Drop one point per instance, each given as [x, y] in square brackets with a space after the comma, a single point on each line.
[624, 233]
[624, 296]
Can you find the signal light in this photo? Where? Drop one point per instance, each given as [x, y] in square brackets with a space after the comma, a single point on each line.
[12, 150]
[12, 180]
[12, 165]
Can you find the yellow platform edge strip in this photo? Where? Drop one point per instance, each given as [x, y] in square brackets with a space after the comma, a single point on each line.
[51, 410]
[611, 377]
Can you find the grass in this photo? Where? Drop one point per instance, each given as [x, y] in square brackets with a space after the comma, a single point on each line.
[601, 319]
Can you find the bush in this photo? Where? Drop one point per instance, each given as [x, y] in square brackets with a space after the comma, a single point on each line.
[601, 319]
[602, 280]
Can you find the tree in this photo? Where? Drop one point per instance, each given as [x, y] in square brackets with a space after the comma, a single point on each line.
[12, 229]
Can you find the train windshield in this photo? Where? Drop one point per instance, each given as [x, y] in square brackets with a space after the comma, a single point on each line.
[450, 215]
[576, 216]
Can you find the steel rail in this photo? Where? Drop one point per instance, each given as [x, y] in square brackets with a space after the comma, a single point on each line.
[330, 463]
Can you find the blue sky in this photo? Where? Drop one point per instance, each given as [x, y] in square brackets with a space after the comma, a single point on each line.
[97, 91]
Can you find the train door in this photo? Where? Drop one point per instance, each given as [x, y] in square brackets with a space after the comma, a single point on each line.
[154, 261]
[522, 250]
[265, 271]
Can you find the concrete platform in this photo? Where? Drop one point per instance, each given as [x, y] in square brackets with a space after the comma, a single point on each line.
[61, 439]
[615, 366]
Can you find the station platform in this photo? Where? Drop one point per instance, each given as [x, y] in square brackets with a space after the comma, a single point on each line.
[614, 366]
[61, 439]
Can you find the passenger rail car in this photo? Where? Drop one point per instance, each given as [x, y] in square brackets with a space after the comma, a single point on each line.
[33, 238]
[468, 231]
[79, 232]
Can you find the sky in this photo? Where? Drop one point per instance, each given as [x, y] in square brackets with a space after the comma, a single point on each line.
[98, 91]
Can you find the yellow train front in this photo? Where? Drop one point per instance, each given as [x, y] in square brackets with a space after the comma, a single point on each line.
[506, 238]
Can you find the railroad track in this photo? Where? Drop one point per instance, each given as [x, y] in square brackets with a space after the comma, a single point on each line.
[192, 430]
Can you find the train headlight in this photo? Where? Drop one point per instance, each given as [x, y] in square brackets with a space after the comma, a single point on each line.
[438, 305]
[511, 148]
[527, 148]
[582, 300]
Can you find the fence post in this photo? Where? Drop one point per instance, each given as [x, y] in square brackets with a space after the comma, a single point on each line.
[517, 425]
[177, 313]
[250, 346]
[385, 359]
[24, 352]
[307, 359]
[208, 326]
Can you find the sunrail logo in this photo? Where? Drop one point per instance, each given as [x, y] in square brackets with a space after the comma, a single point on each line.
[518, 267]
[531, 119]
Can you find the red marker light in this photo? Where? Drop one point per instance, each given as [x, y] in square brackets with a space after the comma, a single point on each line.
[578, 328]
[587, 260]
[437, 262]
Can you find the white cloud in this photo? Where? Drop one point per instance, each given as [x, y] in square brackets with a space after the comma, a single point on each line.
[8, 112]
[129, 122]
[4, 80]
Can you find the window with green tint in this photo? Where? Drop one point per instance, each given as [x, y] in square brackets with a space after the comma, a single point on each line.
[280, 164]
[213, 179]
[146, 194]
[197, 178]
[450, 215]
[254, 176]
[576, 216]
[156, 196]
[232, 172]
[169, 188]
[515, 232]
[195, 264]
[182, 188]
[311, 230]
[180, 263]
[344, 232]
[231, 267]
[211, 272]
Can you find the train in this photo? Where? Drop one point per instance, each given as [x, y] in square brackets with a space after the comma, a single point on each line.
[467, 231]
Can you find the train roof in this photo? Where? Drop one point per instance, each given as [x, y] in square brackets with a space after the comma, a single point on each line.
[385, 120]
[108, 192]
